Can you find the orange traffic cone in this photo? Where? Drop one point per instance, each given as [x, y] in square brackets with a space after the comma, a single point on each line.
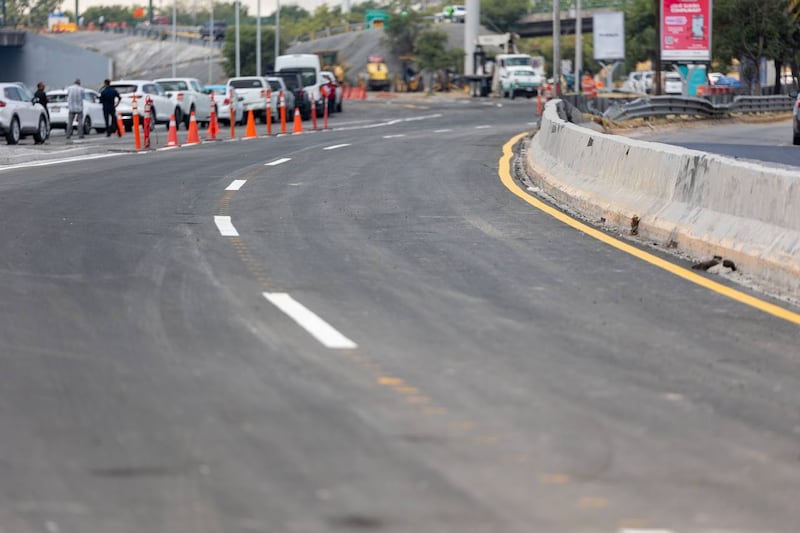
[193, 137]
[251, 126]
[172, 136]
[120, 126]
[298, 121]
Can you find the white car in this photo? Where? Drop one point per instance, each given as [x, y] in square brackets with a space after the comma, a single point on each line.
[20, 115]
[188, 95]
[162, 107]
[519, 81]
[222, 102]
[451, 13]
[92, 110]
[796, 121]
[673, 83]
[253, 90]
[276, 85]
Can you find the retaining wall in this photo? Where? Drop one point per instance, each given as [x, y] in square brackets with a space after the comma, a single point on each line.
[699, 203]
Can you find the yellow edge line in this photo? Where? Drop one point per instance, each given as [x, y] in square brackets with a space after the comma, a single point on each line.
[505, 176]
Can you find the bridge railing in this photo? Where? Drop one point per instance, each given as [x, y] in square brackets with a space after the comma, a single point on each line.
[660, 106]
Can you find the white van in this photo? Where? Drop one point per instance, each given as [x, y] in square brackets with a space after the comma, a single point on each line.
[310, 69]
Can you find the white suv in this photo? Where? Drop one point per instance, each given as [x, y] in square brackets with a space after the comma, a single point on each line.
[253, 91]
[20, 115]
[188, 95]
[162, 106]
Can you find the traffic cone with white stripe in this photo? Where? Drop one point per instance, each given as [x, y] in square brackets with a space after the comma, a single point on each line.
[194, 136]
[172, 136]
[298, 121]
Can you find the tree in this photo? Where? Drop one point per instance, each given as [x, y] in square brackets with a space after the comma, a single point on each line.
[501, 15]
[640, 33]
[401, 32]
[432, 53]
[247, 50]
[751, 30]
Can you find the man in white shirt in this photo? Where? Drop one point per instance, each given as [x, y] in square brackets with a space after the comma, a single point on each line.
[75, 107]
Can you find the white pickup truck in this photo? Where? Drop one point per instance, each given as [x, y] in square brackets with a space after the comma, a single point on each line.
[188, 95]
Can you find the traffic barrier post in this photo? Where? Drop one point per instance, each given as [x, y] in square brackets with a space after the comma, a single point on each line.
[148, 105]
[213, 125]
[282, 104]
[539, 104]
[136, 133]
[325, 114]
[120, 125]
[233, 113]
[269, 111]
[314, 115]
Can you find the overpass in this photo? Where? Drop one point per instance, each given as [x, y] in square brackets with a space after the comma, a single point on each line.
[541, 24]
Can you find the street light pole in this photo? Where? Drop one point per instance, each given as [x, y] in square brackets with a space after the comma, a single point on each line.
[212, 39]
[238, 53]
[174, 36]
[258, 38]
[578, 47]
[557, 47]
[278, 29]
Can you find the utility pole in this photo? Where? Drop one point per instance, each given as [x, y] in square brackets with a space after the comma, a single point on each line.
[557, 47]
[277, 30]
[471, 27]
[578, 71]
[174, 36]
[258, 38]
[238, 51]
[657, 66]
[212, 38]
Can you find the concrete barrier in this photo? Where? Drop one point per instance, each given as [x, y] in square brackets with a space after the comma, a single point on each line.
[701, 204]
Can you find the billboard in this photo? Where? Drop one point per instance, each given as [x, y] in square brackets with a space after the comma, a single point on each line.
[686, 30]
[609, 36]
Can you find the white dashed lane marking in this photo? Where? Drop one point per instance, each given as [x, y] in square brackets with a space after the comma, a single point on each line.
[313, 324]
[277, 162]
[442, 131]
[485, 126]
[394, 136]
[225, 226]
[335, 146]
[235, 185]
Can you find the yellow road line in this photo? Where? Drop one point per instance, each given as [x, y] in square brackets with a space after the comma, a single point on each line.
[505, 176]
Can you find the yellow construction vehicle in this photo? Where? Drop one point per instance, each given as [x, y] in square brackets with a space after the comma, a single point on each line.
[329, 60]
[377, 74]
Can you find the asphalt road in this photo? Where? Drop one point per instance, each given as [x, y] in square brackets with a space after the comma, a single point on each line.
[764, 143]
[364, 330]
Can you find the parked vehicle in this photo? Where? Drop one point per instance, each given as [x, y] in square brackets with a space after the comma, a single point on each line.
[335, 93]
[796, 120]
[294, 82]
[20, 116]
[309, 68]
[222, 101]
[519, 81]
[377, 74]
[276, 85]
[219, 30]
[673, 83]
[640, 81]
[253, 90]
[161, 109]
[92, 111]
[188, 96]
[456, 13]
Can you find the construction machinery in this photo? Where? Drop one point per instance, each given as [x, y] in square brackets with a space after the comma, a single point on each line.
[377, 74]
[329, 60]
[408, 80]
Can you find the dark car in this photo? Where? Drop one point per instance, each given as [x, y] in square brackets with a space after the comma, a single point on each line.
[219, 30]
[294, 82]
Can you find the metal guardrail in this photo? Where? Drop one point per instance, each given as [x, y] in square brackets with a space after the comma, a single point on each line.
[184, 34]
[327, 32]
[660, 106]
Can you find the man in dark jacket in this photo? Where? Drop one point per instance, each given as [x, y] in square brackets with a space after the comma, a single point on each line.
[41, 97]
[110, 98]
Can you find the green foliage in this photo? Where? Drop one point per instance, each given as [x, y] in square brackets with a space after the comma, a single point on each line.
[401, 32]
[247, 50]
[546, 6]
[640, 33]
[501, 15]
[111, 13]
[432, 53]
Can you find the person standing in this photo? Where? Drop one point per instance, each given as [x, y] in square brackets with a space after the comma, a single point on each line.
[41, 97]
[75, 107]
[110, 99]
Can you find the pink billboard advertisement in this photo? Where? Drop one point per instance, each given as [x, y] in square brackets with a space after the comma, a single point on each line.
[686, 30]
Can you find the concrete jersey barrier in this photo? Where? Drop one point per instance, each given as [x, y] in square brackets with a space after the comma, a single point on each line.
[702, 204]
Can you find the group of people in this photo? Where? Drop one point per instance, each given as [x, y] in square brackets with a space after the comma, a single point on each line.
[109, 98]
